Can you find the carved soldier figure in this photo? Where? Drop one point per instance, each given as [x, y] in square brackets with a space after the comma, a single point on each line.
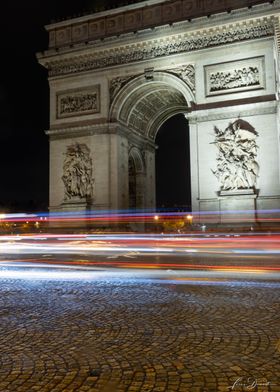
[236, 162]
[77, 172]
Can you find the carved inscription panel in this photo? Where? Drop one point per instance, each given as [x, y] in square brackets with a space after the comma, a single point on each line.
[78, 102]
[235, 76]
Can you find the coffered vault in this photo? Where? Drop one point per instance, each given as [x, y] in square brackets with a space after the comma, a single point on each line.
[116, 76]
[145, 102]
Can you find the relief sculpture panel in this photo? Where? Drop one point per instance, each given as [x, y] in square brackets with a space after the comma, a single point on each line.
[78, 102]
[237, 167]
[116, 84]
[186, 73]
[235, 76]
[77, 172]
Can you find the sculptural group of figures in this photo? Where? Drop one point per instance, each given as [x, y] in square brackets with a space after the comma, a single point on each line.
[235, 78]
[236, 162]
[77, 172]
[71, 104]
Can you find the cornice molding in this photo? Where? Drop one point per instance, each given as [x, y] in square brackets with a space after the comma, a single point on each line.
[82, 130]
[100, 14]
[71, 63]
[142, 16]
[101, 129]
[253, 109]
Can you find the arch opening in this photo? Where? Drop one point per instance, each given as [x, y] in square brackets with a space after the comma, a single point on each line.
[136, 183]
[142, 108]
[173, 179]
[143, 105]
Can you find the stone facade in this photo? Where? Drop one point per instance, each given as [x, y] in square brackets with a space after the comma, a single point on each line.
[116, 76]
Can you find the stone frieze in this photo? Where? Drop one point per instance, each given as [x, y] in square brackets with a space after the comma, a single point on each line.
[165, 47]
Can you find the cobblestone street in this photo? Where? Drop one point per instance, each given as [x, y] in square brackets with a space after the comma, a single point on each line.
[131, 334]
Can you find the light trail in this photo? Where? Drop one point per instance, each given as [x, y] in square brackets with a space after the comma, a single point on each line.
[253, 244]
[237, 253]
[152, 265]
[49, 272]
[150, 216]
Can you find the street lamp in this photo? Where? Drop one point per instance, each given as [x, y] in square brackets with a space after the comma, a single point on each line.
[156, 225]
[189, 218]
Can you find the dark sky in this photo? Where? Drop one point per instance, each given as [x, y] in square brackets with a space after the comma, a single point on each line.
[24, 97]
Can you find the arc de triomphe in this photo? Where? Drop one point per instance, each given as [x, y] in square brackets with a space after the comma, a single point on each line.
[116, 76]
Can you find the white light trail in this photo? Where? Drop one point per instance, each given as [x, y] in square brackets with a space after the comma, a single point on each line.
[45, 275]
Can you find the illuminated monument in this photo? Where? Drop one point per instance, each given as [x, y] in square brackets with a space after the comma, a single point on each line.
[116, 76]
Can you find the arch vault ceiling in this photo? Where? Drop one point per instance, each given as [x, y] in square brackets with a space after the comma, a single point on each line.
[144, 108]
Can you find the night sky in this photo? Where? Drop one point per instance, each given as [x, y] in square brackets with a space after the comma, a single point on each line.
[24, 98]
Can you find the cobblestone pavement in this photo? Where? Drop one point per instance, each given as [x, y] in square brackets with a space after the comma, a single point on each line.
[114, 334]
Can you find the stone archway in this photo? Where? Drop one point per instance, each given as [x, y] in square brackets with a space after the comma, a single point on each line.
[136, 179]
[144, 102]
[140, 106]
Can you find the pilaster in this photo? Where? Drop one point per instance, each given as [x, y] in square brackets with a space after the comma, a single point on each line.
[277, 66]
